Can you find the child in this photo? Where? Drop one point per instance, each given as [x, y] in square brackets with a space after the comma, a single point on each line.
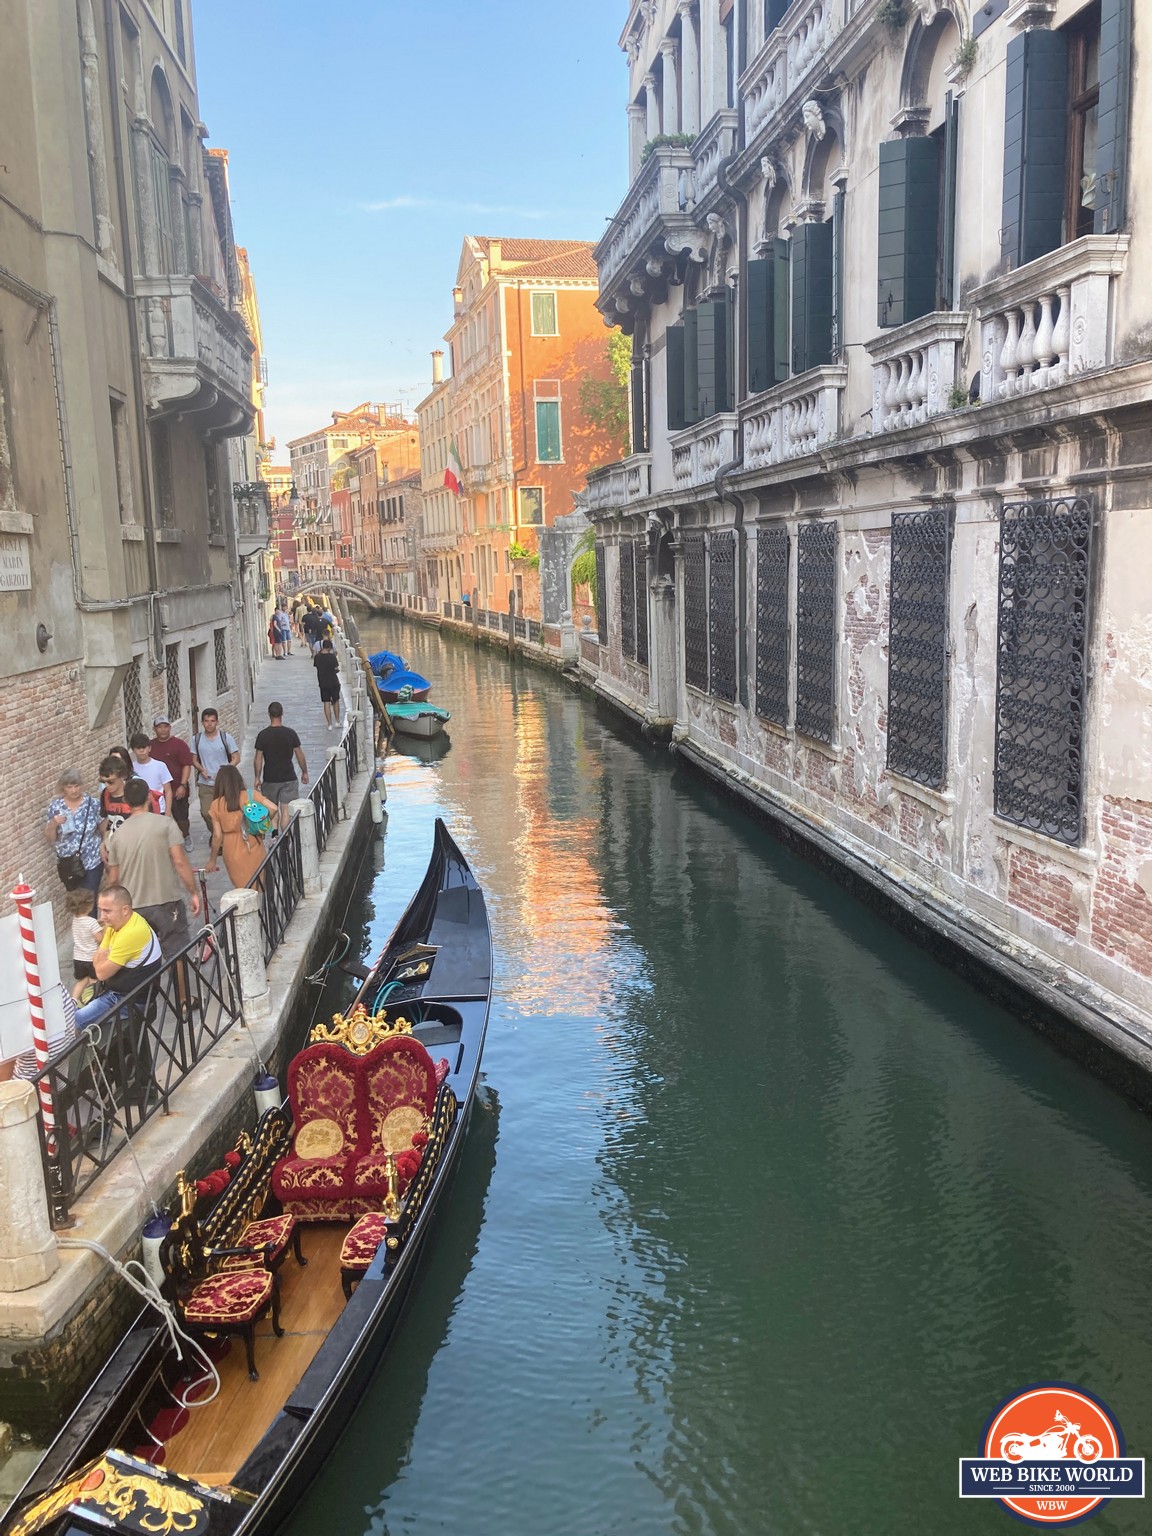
[86, 933]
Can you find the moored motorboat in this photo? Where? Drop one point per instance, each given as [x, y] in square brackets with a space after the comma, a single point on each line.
[380, 1102]
[414, 718]
[395, 679]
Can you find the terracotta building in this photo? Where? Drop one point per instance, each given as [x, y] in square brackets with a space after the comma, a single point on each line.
[526, 335]
[878, 557]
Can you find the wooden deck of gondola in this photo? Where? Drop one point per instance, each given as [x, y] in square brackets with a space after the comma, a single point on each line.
[219, 1436]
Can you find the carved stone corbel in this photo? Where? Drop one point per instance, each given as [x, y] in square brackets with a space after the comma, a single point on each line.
[689, 243]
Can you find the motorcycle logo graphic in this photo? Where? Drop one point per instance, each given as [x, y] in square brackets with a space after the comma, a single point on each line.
[1052, 1455]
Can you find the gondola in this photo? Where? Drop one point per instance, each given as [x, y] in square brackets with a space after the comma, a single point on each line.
[266, 1439]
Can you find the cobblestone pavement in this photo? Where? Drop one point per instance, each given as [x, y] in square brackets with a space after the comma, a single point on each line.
[293, 682]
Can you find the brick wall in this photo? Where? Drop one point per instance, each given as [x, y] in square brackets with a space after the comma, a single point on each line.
[1036, 887]
[1121, 911]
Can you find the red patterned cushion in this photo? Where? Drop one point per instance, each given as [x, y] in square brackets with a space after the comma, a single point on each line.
[398, 1071]
[322, 1086]
[274, 1230]
[362, 1241]
[310, 1175]
[442, 1070]
[224, 1300]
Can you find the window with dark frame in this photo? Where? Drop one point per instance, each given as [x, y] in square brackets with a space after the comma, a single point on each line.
[133, 699]
[172, 677]
[918, 645]
[772, 642]
[722, 616]
[695, 611]
[817, 549]
[627, 581]
[220, 651]
[641, 563]
[1083, 122]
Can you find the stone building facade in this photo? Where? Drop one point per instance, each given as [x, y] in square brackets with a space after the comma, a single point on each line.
[877, 557]
[125, 370]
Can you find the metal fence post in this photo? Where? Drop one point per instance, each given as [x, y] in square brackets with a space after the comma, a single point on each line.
[309, 848]
[28, 1253]
[255, 996]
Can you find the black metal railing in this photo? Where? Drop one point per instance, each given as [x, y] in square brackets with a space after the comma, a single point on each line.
[521, 628]
[351, 745]
[325, 798]
[124, 1067]
[280, 882]
[447, 610]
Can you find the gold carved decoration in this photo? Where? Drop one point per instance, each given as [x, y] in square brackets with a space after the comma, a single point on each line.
[360, 1031]
[135, 1501]
[319, 1138]
[391, 1206]
[400, 1125]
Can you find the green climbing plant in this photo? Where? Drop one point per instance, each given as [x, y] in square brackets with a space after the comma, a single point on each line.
[584, 565]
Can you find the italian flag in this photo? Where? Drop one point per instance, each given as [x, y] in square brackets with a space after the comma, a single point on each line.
[454, 473]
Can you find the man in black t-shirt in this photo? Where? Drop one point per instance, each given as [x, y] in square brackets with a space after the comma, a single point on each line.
[276, 747]
[327, 665]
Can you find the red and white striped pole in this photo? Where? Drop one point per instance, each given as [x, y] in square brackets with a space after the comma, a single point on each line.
[22, 896]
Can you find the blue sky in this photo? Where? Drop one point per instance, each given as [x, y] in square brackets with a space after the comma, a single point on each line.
[367, 139]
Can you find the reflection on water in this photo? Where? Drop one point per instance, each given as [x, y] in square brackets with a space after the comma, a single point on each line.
[780, 1209]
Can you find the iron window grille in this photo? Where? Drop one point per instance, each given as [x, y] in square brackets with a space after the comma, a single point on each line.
[172, 671]
[695, 612]
[817, 546]
[601, 596]
[918, 645]
[641, 602]
[627, 597]
[772, 647]
[722, 615]
[220, 649]
[133, 700]
[1041, 664]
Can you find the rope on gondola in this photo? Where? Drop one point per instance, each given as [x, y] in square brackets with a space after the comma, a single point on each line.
[320, 975]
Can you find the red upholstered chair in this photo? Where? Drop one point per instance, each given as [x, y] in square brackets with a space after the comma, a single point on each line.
[397, 1084]
[314, 1180]
[217, 1303]
[360, 1246]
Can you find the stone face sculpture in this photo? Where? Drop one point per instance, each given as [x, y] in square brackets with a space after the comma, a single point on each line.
[813, 118]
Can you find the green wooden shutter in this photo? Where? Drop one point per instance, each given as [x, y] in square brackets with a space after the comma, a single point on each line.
[713, 357]
[548, 431]
[1115, 88]
[781, 330]
[1035, 145]
[774, 14]
[691, 368]
[947, 255]
[758, 316]
[674, 357]
[812, 296]
[909, 216]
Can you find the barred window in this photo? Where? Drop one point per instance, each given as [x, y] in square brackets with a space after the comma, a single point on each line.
[627, 552]
[772, 648]
[817, 547]
[172, 673]
[695, 612]
[133, 699]
[220, 646]
[641, 602]
[918, 645]
[722, 615]
[1041, 664]
[601, 596]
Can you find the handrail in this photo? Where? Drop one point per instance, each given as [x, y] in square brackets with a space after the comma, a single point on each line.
[127, 1065]
[325, 798]
[280, 882]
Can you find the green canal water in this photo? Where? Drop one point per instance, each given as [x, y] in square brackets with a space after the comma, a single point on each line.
[764, 1211]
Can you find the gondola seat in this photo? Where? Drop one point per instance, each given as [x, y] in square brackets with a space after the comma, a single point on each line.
[360, 1247]
[271, 1235]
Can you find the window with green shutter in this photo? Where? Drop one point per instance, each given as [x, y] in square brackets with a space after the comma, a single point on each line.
[909, 219]
[714, 391]
[548, 431]
[813, 289]
[766, 318]
[544, 314]
[1035, 145]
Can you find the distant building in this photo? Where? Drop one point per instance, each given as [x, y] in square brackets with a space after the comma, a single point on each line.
[440, 559]
[525, 337]
[126, 367]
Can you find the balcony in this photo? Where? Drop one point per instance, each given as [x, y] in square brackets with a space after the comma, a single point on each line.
[715, 144]
[914, 370]
[699, 452]
[794, 418]
[654, 220]
[789, 55]
[616, 486]
[253, 524]
[197, 354]
[1050, 320]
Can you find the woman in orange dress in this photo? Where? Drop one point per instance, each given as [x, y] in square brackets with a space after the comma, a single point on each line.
[243, 850]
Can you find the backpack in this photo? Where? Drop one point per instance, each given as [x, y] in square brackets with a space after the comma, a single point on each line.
[229, 745]
[257, 817]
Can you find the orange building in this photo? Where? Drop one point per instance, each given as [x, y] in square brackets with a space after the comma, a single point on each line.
[525, 338]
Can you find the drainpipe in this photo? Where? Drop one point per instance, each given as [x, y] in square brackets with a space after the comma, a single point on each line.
[739, 384]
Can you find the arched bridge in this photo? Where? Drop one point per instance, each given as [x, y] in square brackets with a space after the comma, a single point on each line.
[350, 589]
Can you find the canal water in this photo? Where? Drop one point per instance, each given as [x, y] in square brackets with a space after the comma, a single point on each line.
[763, 1212]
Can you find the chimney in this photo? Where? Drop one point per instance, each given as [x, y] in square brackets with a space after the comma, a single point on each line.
[437, 367]
[494, 255]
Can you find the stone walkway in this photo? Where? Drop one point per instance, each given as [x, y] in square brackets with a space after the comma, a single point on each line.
[292, 681]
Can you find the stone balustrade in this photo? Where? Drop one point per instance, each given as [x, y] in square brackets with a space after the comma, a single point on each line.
[653, 199]
[700, 451]
[616, 485]
[914, 369]
[789, 54]
[794, 418]
[717, 141]
[191, 342]
[1050, 320]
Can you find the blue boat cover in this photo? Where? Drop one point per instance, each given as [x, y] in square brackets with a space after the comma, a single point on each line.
[397, 680]
[383, 662]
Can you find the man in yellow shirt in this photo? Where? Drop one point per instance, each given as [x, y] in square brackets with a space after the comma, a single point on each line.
[129, 954]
